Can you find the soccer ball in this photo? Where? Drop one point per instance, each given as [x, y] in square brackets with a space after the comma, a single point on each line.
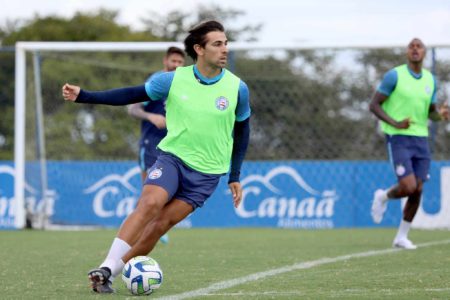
[142, 275]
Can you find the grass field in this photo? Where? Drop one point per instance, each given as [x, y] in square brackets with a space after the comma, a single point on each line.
[236, 264]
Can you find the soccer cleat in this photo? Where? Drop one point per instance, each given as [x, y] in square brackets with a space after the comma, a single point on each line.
[105, 288]
[378, 206]
[100, 282]
[404, 243]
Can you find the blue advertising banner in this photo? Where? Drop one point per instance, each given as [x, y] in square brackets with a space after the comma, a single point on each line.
[7, 213]
[286, 194]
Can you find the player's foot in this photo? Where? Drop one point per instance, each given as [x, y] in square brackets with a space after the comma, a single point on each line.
[378, 206]
[105, 288]
[100, 282]
[403, 243]
[164, 239]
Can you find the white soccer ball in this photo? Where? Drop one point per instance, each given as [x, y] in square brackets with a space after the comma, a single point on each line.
[142, 275]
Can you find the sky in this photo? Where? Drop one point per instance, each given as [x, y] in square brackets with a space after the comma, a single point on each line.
[284, 21]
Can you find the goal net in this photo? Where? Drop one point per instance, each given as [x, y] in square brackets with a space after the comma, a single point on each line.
[309, 104]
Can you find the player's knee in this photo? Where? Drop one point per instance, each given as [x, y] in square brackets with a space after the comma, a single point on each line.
[149, 205]
[409, 188]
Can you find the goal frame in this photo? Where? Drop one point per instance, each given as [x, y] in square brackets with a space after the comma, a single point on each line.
[22, 48]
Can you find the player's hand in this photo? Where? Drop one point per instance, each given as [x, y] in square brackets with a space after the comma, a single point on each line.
[404, 124]
[236, 192]
[70, 92]
[443, 111]
[158, 120]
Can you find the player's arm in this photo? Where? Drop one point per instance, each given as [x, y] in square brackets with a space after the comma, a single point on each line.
[240, 142]
[136, 111]
[438, 112]
[375, 107]
[383, 92]
[121, 96]
[154, 90]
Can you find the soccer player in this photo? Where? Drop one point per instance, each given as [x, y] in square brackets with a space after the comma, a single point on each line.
[153, 121]
[404, 101]
[207, 117]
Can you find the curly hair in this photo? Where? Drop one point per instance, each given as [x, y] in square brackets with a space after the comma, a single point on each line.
[197, 35]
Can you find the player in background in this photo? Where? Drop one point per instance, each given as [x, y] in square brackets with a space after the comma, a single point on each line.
[207, 117]
[153, 121]
[404, 101]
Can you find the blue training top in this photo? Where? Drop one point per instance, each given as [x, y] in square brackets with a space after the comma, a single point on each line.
[389, 83]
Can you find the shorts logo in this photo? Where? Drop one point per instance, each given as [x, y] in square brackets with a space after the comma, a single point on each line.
[400, 170]
[222, 103]
[155, 174]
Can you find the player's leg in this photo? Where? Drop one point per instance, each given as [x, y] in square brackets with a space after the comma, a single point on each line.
[174, 212]
[405, 187]
[160, 186]
[401, 161]
[147, 158]
[409, 211]
[421, 165]
[194, 189]
[150, 203]
[413, 202]
[401, 239]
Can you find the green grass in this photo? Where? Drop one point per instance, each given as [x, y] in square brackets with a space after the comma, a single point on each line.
[53, 264]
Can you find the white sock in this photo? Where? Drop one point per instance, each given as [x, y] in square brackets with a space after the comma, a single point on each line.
[113, 260]
[403, 230]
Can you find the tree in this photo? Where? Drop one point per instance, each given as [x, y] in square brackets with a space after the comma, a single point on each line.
[175, 24]
[96, 26]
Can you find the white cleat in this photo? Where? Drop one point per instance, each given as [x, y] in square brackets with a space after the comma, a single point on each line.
[404, 244]
[378, 206]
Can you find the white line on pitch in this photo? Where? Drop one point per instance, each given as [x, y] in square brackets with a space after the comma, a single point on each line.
[300, 266]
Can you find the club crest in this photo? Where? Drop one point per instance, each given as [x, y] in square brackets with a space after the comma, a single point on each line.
[155, 174]
[400, 170]
[222, 103]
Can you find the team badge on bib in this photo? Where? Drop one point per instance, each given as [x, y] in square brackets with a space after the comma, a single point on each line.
[400, 170]
[222, 103]
[427, 90]
[155, 174]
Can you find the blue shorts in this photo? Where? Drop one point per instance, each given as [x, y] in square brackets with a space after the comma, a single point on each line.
[409, 155]
[147, 157]
[180, 181]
